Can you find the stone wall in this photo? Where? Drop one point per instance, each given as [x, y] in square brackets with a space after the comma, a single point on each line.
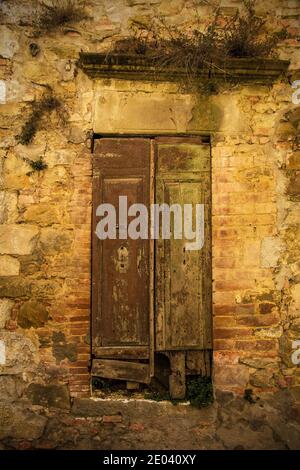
[46, 215]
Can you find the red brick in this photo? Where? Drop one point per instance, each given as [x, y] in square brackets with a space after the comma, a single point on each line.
[112, 419]
[223, 309]
[138, 427]
[224, 333]
[258, 320]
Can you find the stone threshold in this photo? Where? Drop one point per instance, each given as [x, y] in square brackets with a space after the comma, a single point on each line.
[140, 407]
[134, 67]
[133, 400]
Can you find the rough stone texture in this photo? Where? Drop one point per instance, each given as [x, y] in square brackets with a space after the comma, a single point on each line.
[42, 214]
[17, 239]
[56, 396]
[32, 314]
[46, 231]
[61, 349]
[14, 287]
[12, 387]
[9, 42]
[21, 353]
[142, 112]
[230, 423]
[8, 207]
[55, 241]
[20, 424]
[5, 311]
[9, 266]
[270, 252]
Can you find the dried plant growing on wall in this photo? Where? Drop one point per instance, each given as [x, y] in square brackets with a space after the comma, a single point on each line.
[196, 47]
[246, 35]
[39, 109]
[36, 165]
[60, 13]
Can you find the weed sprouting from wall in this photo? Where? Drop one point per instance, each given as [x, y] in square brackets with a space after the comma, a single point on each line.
[246, 35]
[249, 397]
[36, 165]
[200, 391]
[196, 47]
[39, 108]
[60, 13]
[104, 385]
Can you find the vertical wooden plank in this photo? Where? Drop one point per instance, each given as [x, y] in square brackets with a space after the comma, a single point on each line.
[151, 264]
[162, 276]
[199, 362]
[177, 383]
[96, 256]
[184, 323]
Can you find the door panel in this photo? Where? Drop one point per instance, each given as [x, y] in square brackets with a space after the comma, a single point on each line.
[183, 277]
[125, 276]
[120, 267]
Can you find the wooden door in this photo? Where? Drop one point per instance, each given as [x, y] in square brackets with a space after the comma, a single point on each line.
[120, 328]
[183, 277]
[125, 330]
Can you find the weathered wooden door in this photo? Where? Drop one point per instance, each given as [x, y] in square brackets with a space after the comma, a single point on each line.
[120, 328]
[140, 306]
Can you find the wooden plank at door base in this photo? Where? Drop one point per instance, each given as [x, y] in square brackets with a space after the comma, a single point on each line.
[177, 384]
[127, 352]
[198, 362]
[121, 370]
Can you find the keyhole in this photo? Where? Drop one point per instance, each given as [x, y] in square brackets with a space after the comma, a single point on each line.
[122, 257]
[184, 261]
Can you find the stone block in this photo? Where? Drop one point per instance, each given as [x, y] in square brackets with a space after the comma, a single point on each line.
[262, 378]
[21, 353]
[8, 42]
[11, 388]
[32, 314]
[231, 376]
[56, 396]
[286, 350]
[293, 188]
[56, 178]
[54, 241]
[20, 424]
[257, 362]
[8, 207]
[9, 266]
[271, 249]
[295, 294]
[270, 332]
[142, 112]
[46, 289]
[5, 311]
[294, 161]
[42, 214]
[14, 287]
[17, 239]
